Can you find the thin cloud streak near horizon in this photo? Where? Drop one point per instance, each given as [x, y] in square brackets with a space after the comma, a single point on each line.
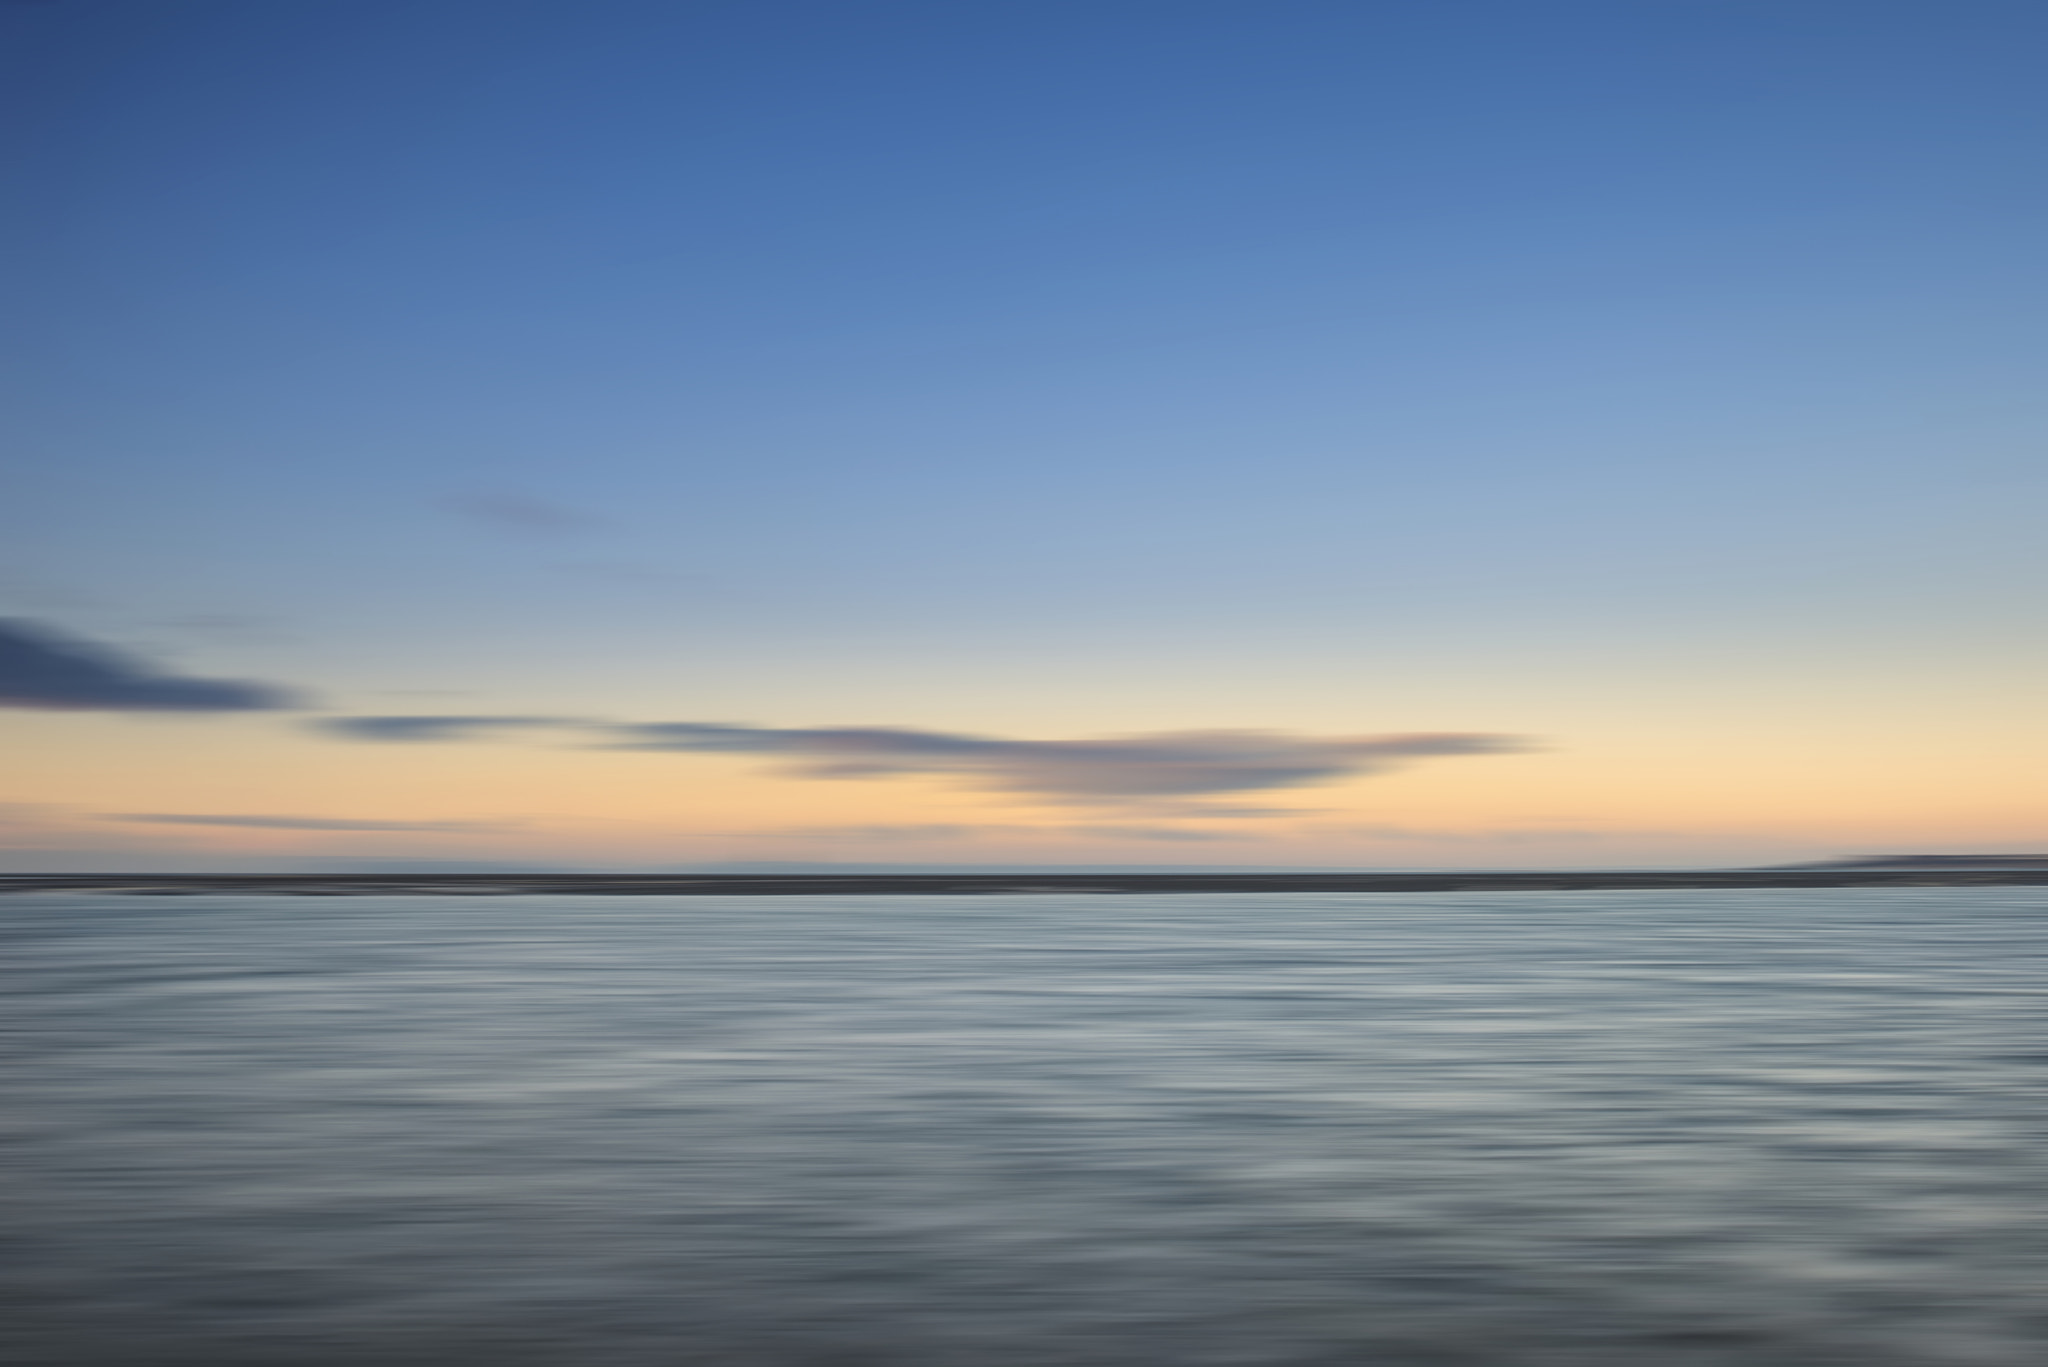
[302, 823]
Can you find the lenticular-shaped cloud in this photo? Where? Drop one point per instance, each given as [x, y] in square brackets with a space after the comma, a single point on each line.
[1116, 770]
[423, 728]
[44, 668]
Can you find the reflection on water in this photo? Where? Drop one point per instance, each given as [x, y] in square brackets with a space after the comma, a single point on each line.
[1781, 1129]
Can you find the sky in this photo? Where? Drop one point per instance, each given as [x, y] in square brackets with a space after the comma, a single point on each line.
[646, 434]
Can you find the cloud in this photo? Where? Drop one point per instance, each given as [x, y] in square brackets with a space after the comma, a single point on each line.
[40, 667]
[897, 831]
[433, 728]
[522, 514]
[956, 832]
[1160, 770]
[297, 823]
[1167, 833]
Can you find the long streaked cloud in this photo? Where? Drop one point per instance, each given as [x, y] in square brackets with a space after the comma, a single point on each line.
[1170, 834]
[1162, 770]
[297, 823]
[41, 667]
[426, 728]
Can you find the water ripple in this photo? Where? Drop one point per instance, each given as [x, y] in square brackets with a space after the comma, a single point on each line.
[1774, 1129]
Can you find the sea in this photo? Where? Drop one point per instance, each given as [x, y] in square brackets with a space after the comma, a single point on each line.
[1602, 1129]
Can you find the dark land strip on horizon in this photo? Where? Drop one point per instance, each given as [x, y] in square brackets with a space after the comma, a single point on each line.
[785, 885]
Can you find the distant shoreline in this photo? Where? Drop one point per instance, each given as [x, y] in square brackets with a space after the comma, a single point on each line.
[898, 885]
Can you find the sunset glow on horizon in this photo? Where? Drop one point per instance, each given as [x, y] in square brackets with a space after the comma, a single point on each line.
[648, 436]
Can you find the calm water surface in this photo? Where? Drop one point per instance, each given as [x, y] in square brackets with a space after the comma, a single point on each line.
[1775, 1129]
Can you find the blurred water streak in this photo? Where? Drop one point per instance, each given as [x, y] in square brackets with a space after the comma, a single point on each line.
[1775, 1129]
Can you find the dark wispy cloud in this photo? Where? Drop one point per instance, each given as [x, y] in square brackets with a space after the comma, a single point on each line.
[1159, 770]
[40, 667]
[425, 728]
[296, 823]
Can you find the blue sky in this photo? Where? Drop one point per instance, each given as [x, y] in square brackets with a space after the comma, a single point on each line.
[1632, 375]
